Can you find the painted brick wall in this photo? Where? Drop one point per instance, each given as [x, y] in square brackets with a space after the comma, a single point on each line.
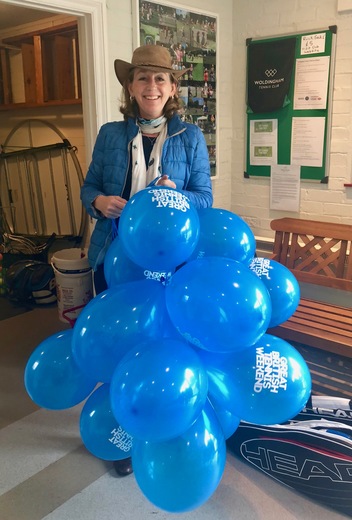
[251, 197]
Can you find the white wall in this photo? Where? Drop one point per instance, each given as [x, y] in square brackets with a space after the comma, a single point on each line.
[238, 20]
[250, 197]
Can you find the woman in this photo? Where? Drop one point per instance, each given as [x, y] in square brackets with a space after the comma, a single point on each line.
[151, 145]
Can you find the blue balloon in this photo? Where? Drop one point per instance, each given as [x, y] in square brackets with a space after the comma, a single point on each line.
[52, 378]
[170, 331]
[114, 322]
[282, 285]
[159, 228]
[268, 383]
[158, 389]
[225, 234]
[222, 393]
[181, 474]
[100, 432]
[228, 421]
[218, 304]
[118, 268]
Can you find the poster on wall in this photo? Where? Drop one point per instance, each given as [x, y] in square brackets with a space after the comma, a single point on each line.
[301, 135]
[191, 39]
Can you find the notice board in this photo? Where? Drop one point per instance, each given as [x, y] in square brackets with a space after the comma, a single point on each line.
[289, 111]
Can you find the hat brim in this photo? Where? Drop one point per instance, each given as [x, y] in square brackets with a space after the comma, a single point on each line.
[123, 69]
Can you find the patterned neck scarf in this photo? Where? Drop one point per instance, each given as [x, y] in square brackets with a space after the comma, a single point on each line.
[141, 175]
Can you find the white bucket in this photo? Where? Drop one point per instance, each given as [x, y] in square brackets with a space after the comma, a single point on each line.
[74, 282]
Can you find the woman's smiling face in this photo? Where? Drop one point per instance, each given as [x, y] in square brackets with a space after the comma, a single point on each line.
[151, 91]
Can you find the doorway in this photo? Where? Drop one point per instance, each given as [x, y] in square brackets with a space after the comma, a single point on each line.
[93, 54]
[90, 15]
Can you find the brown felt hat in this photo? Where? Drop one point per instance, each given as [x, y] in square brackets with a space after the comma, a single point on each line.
[148, 57]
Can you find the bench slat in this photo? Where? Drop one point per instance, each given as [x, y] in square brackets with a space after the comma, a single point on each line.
[330, 342]
[330, 307]
[317, 314]
[319, 319]
[318, 330]
[322, 325]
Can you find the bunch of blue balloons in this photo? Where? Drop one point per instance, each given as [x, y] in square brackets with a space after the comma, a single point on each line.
[176, 352]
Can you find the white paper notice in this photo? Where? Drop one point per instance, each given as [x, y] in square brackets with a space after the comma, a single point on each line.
[263, 142]
[285, 188]
[311, 83]
[313, 43]
[307, 141]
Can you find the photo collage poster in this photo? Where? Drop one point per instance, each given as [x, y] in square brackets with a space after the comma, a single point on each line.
[191, 40]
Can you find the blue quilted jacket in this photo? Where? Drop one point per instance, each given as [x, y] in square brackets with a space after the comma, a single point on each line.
[184, 159]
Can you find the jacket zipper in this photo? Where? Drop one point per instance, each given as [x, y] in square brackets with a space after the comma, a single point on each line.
[168, 137]
[128, 166]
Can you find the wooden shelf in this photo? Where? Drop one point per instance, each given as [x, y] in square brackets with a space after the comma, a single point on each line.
[53, 103]
[50, 71]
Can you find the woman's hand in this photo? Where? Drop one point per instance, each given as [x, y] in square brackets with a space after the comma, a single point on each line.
[110, 206]
[165, 181]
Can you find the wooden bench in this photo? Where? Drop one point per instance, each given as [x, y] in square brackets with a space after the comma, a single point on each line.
[317, 253]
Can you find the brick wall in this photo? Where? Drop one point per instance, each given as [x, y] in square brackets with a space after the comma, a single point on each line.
[251, 197]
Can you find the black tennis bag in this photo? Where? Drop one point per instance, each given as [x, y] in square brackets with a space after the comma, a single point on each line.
[31, 281]
[311, 454]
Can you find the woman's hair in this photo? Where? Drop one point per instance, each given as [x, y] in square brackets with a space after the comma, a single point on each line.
[129, 107]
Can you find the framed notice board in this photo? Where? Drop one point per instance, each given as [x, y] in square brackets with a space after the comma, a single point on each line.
[289, 103]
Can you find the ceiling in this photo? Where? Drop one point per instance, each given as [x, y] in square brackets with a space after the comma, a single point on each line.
[11, 15]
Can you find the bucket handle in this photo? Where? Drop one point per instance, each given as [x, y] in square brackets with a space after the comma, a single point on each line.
[83, 271]
[54, 268]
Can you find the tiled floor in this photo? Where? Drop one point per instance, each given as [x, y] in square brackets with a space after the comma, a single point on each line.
[46, 473]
